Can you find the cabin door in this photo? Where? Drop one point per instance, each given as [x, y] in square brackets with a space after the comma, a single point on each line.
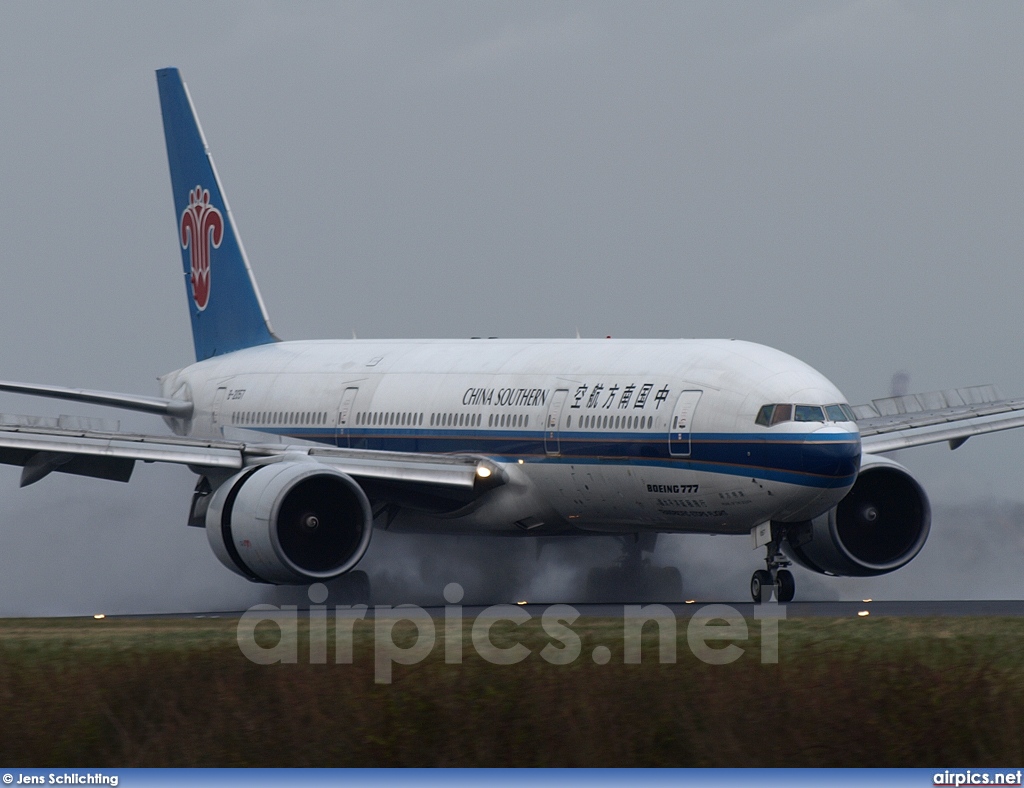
[552, 423]
[345, 416]
[682, 419]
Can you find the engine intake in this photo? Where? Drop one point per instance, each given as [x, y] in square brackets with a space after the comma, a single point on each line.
[289, 523]
[879, 526]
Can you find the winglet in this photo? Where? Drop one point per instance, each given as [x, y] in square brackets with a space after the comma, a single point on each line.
[224, 301]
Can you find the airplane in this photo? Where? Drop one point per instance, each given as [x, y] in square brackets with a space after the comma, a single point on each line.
[303, 448]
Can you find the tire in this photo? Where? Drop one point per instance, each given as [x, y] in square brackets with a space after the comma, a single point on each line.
[761, 586]
[786, 586]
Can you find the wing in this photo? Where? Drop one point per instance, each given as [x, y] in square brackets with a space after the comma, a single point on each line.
[42, 446]
[919, 419]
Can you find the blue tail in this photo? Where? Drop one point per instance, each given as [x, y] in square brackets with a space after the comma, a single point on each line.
[224, 301]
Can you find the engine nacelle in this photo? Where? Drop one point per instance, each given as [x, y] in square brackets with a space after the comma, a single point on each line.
[289, 523]
[879, 526]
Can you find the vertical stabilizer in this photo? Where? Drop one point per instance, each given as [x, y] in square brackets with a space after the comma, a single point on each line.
[223, 299]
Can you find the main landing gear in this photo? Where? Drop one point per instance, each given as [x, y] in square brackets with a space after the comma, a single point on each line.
[776, 577]
[633, 579]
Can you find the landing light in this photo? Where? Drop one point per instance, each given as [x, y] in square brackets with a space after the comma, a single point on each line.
[483, 471]
[523, 602]
[863, 613]
[867, 600]
[690, 601]
[98, 616]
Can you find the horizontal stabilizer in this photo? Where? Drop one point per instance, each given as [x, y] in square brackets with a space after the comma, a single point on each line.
[173, 408]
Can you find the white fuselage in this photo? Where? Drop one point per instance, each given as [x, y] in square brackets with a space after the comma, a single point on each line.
[599, 435]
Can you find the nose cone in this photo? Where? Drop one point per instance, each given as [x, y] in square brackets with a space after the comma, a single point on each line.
[829, 460]
[832, 455]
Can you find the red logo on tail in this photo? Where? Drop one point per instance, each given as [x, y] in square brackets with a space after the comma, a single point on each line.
[202, 226]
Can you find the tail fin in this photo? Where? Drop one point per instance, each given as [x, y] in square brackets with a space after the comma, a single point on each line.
[224, 302]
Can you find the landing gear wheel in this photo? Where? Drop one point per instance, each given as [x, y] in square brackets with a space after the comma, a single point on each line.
[785, 585]
[761, 586]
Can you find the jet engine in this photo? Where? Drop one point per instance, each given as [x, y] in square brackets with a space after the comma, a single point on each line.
[879, 526]
[289, 523]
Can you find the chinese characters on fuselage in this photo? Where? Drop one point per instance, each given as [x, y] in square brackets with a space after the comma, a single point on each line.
[598, 395]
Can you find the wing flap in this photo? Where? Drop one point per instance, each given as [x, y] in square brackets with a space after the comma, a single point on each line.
[18, 444]
[43, 450]
[955, 434]
[933, 407]
[42, 464]
[940, 416]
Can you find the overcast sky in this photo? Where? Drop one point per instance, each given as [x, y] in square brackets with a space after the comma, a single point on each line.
[843, 181]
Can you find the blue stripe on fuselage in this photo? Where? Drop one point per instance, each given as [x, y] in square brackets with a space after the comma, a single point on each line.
[806, 459]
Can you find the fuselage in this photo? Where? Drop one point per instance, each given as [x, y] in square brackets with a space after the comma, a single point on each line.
[596, 435]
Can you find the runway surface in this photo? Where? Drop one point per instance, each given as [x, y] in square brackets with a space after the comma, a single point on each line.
[978, 607]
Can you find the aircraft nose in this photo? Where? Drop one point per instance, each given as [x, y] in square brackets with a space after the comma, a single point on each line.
[833, 452]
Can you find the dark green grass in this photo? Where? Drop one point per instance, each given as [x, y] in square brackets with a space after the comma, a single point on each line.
[851, 692]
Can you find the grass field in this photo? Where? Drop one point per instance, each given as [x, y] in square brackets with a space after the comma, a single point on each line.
[852, 692]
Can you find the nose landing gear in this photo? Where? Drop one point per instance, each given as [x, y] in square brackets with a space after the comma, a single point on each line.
[776, 577]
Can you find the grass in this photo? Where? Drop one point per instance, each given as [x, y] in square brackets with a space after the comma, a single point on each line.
[851, 692]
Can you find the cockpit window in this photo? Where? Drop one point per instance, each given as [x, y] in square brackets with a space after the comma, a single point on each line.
[835, 413]
[809, 413]
[770, 415]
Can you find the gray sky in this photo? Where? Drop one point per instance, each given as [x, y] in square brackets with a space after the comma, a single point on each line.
[839, 180]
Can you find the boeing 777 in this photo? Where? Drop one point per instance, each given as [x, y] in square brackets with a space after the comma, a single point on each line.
[303, 448]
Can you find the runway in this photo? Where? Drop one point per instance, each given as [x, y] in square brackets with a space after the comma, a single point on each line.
[844, 609]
